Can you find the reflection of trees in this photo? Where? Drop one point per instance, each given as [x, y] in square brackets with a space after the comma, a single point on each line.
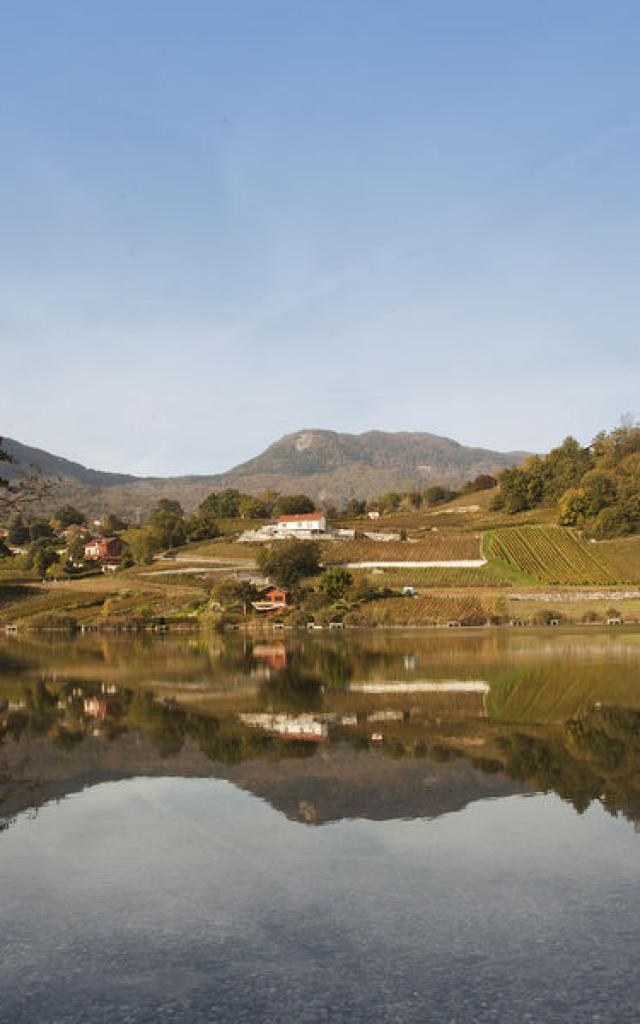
[548, 766]
[335, 668]
[595, 758]
[291, 690]
[164, 724]
[68, 739]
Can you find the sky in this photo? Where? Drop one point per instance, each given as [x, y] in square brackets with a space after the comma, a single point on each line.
[227, 220]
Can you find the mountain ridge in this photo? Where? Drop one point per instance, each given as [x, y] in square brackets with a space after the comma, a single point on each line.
[328, 465]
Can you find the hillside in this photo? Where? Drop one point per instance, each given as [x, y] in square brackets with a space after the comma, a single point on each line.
[327, 465]
[55, 466]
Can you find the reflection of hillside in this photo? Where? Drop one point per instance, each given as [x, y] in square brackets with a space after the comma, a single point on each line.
[505, 705]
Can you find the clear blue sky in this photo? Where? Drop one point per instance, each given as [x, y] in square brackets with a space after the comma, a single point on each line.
[225, 220]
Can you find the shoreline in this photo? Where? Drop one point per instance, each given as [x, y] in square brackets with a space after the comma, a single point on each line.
[255, 626]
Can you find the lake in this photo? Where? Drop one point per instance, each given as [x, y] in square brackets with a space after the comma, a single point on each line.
[374, 826]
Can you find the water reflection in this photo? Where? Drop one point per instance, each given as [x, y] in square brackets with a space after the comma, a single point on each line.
[377, 726]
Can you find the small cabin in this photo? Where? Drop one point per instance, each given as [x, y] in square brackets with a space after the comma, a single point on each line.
[271, 599]
[409, 592]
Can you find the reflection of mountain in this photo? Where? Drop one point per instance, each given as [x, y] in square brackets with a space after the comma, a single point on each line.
[343, 784]
[379, 725]
[337, 784]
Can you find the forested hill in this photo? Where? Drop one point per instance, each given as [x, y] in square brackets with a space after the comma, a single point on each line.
[596, 488]
[327, 465]
[411, 458]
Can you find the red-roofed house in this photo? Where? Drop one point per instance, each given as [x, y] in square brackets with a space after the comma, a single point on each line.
[271, 599]
[104, 549]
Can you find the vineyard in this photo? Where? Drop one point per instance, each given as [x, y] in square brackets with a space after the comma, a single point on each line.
[552, 554]
[623, 556]
[436, 610]
[435, 576]
[437, 547]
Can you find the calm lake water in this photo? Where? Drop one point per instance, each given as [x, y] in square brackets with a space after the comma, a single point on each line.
[393, 827]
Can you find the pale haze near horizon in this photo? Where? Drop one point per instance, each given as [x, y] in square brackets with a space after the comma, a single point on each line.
[222, 222]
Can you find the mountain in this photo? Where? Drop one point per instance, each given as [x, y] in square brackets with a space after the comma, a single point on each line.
[327, 465]
[54, 466]
[333, 466]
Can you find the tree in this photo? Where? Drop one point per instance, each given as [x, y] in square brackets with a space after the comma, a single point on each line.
[40, 529]
[293, 505]
[437, 495]
[17, 533]
[389, 502]
[335, 582]
[168, 506]
[288, 561]
[564, 467]
[41, 556]
[143, 545]
[222, 504]
[253, 508]
[514, 495]
[112, 524]
[355, 507]
[167, 524]
[600, 489]
[75, 548]
[69, 515]
[573, 506]
[201, 526]
[483, 482]
[234, 592]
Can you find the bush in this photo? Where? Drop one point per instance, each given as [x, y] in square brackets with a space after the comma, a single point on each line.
[590, 617]
[546, 615]
[335, 582]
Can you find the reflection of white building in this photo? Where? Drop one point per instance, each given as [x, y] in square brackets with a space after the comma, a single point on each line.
[385, 716]
[422, 686]
[291, 727]
[476, 690]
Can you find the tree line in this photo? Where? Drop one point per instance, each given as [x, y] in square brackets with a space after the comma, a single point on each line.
[595, 487]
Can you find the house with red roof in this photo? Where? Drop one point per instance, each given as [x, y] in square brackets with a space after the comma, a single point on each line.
[104, 549]
[305, 524]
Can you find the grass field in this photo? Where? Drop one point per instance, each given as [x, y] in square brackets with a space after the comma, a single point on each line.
[223, 549]
[98, 598]
[552, 555]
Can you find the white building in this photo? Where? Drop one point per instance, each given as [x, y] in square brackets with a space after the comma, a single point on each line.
[303, 525]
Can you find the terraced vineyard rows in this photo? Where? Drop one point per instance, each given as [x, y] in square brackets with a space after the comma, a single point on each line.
[552, 554]
[437, 547]
[485, 576]
[624, 556]
[424, 611]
